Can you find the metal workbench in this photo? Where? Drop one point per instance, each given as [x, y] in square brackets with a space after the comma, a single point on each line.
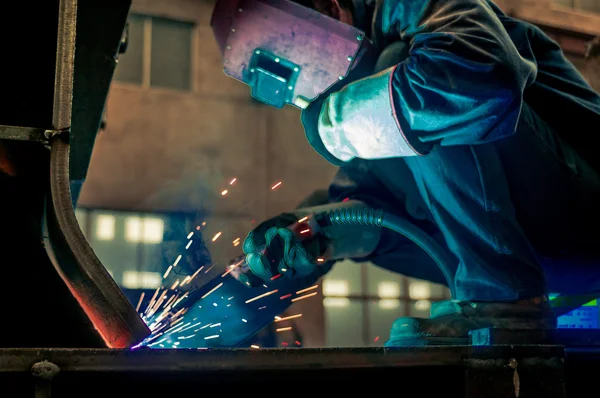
[460, 371]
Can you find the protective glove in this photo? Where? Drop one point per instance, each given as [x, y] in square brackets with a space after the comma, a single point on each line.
[271, 249]
[359, 121]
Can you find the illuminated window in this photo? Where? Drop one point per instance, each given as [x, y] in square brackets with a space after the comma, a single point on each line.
[336, 302]
[419, 290]
[389, 304]
[388, 289]
[332, 287]
[423, 305]
[147, 230]
[153, 230]
[141, 280]
[133, 229]
[105, 227]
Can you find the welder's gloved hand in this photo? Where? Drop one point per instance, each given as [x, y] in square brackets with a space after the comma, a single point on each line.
[272, 249]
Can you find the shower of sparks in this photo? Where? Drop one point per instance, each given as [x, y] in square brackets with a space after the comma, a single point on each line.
[261, 296]
[165, 312]
[303, 297]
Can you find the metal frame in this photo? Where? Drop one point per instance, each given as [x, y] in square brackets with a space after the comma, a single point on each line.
[456, 371]
[113, 316]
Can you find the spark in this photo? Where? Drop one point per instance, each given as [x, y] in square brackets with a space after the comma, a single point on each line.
[285, 297]
[190, 235]
[216, 236]
[215, 325]
[307, 289]
[305, 231]
[186, 337]
[230, 298]
[214, 336]
[188, 245]
[203, 223]
[205, 326]
[276, 276]
[137, 308]
[261, 296]
[232, 181]
[376, 338]
[175, 284]
[287, 318]
[191, 326]
[303, 219]
[215, 304]
[224, 192]
[195, 274]
[262, 308]
[168, 272]
[276, 186]
[236, 244]
[198, 228]
[209, 268]
[297, 342]
[303, 297]
[283, 329]
[152, 300]
[181, 299]
[212, 290]
[254, 346]
[245, 321]
[177, 260]
[186, 280]
[284, 344]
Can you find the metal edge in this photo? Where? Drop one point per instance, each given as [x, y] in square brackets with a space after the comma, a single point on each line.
[102, 300]
[193, 360]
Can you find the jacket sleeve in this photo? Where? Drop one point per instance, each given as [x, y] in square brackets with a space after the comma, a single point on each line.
[462, 83]
[464, 80]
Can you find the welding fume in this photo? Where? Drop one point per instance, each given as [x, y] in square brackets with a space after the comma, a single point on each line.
[465, 145]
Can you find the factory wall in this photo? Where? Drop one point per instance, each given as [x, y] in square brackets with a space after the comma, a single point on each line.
[183, 138]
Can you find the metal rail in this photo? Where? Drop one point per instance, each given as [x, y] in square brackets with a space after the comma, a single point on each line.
[89, 282]
[461, 371]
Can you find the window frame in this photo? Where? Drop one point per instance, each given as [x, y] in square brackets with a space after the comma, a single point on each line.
[146, 72]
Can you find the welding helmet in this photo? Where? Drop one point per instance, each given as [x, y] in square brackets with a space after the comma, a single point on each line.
[286, 52]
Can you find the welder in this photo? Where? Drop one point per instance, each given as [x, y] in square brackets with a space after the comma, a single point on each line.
[476, 128]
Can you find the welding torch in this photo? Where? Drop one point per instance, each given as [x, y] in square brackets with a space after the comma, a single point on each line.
[304, 229]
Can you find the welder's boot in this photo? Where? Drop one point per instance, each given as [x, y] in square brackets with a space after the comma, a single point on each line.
[451, 321]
